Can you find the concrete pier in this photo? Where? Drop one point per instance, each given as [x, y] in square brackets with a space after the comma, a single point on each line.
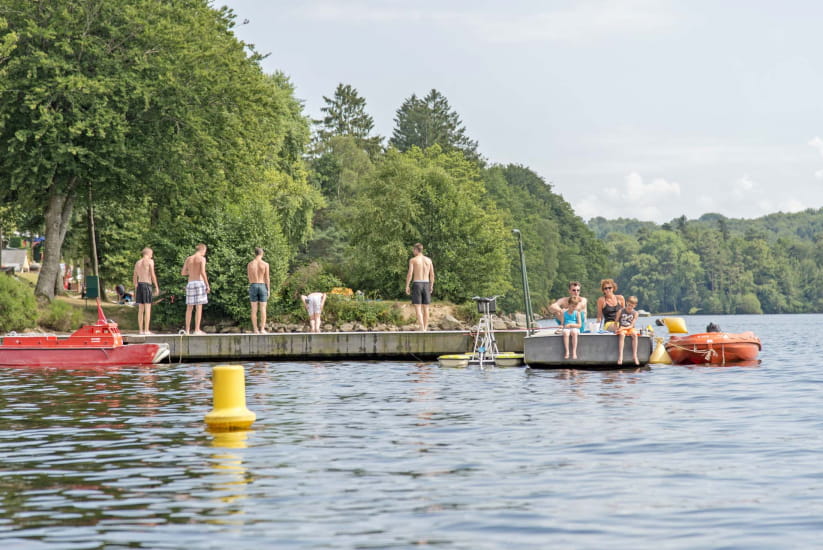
[422, 346]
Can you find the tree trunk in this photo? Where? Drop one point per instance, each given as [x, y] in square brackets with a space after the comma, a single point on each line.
[57, 217]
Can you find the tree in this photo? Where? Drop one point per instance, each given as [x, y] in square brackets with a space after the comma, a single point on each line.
[345, 115]
[425, 122]
[435, 198]
[134, 98]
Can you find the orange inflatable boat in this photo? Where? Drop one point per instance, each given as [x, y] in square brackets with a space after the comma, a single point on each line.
[716, 348]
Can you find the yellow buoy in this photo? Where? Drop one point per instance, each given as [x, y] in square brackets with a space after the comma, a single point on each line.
[660, 355]
[675, 325]
[457, 360]
[229, 389]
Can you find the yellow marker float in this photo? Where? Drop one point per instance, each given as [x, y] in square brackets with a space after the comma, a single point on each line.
[229, 388]
[676, 325]
[660, 356]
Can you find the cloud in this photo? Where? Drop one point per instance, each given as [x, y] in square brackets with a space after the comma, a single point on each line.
[819, 174]
[634, 199]
[579, 21]
[743, 187]
[817, 143]
[658, 189]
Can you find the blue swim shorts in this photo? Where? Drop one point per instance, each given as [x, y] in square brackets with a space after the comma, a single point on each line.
[258, 292]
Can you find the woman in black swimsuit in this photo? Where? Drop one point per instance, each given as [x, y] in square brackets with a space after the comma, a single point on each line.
[609, 304]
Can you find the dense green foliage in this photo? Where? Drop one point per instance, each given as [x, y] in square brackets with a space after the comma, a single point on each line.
[434, 198]
[18, 309]
[164, 119]
[772, 264]
[119, 100]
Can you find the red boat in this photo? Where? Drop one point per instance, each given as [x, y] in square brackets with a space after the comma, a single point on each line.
[100, 344]
[716, 348]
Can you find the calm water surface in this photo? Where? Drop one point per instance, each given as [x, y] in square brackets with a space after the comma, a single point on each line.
[400, 455]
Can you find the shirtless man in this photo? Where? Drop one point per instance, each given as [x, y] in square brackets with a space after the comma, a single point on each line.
[197, 288]
[143, 279]
[562, 304]
[259, 288]
[421, 276]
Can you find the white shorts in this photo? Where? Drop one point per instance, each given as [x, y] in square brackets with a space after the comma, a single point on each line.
[313, 302]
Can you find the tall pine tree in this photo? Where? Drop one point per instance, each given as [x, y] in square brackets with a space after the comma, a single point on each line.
[345, 115]
[429, 121]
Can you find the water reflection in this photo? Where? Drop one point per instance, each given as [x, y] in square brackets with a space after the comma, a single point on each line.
[233, 477]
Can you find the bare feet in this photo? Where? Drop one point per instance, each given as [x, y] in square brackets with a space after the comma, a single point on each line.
[636, 362]
[199, 333]
[566, 356]
[620, 361]
[574, 356]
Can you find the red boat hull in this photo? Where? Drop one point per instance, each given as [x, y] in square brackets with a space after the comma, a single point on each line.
[63, 357]
[714, 348]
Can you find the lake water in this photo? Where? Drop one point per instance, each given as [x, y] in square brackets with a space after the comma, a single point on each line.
[402, 455]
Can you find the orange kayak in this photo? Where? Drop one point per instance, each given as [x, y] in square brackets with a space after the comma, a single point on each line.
[716, 348]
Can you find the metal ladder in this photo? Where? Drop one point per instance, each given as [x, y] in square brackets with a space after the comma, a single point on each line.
[485, 345]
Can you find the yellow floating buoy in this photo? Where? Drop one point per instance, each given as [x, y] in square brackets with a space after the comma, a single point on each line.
[675, 325]
[458, 360]
[229, 389]
[508, 359]
[660, 356]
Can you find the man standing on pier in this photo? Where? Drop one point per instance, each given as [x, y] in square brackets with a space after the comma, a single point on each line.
[197, 288]
[421, 277]
[259, 288]
[143, 279]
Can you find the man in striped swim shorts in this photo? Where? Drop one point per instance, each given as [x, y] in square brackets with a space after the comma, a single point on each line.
[197, 288]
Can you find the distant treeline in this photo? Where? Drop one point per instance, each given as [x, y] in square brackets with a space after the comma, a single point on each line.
[715, 264]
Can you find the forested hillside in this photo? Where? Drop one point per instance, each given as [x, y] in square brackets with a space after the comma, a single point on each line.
[716, 264]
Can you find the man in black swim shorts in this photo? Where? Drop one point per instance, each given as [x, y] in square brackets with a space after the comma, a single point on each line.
[421, 273]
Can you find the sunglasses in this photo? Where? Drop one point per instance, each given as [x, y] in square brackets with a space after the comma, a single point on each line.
[608, 287]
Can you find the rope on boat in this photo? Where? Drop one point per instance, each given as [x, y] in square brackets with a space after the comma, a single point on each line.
[707, 354]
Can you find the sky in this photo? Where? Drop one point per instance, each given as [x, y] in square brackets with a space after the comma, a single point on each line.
[646, 109]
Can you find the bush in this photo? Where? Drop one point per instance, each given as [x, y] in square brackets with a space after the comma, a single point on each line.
[342, 309]
[61, 317]
[305, 280]
[18, 309]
